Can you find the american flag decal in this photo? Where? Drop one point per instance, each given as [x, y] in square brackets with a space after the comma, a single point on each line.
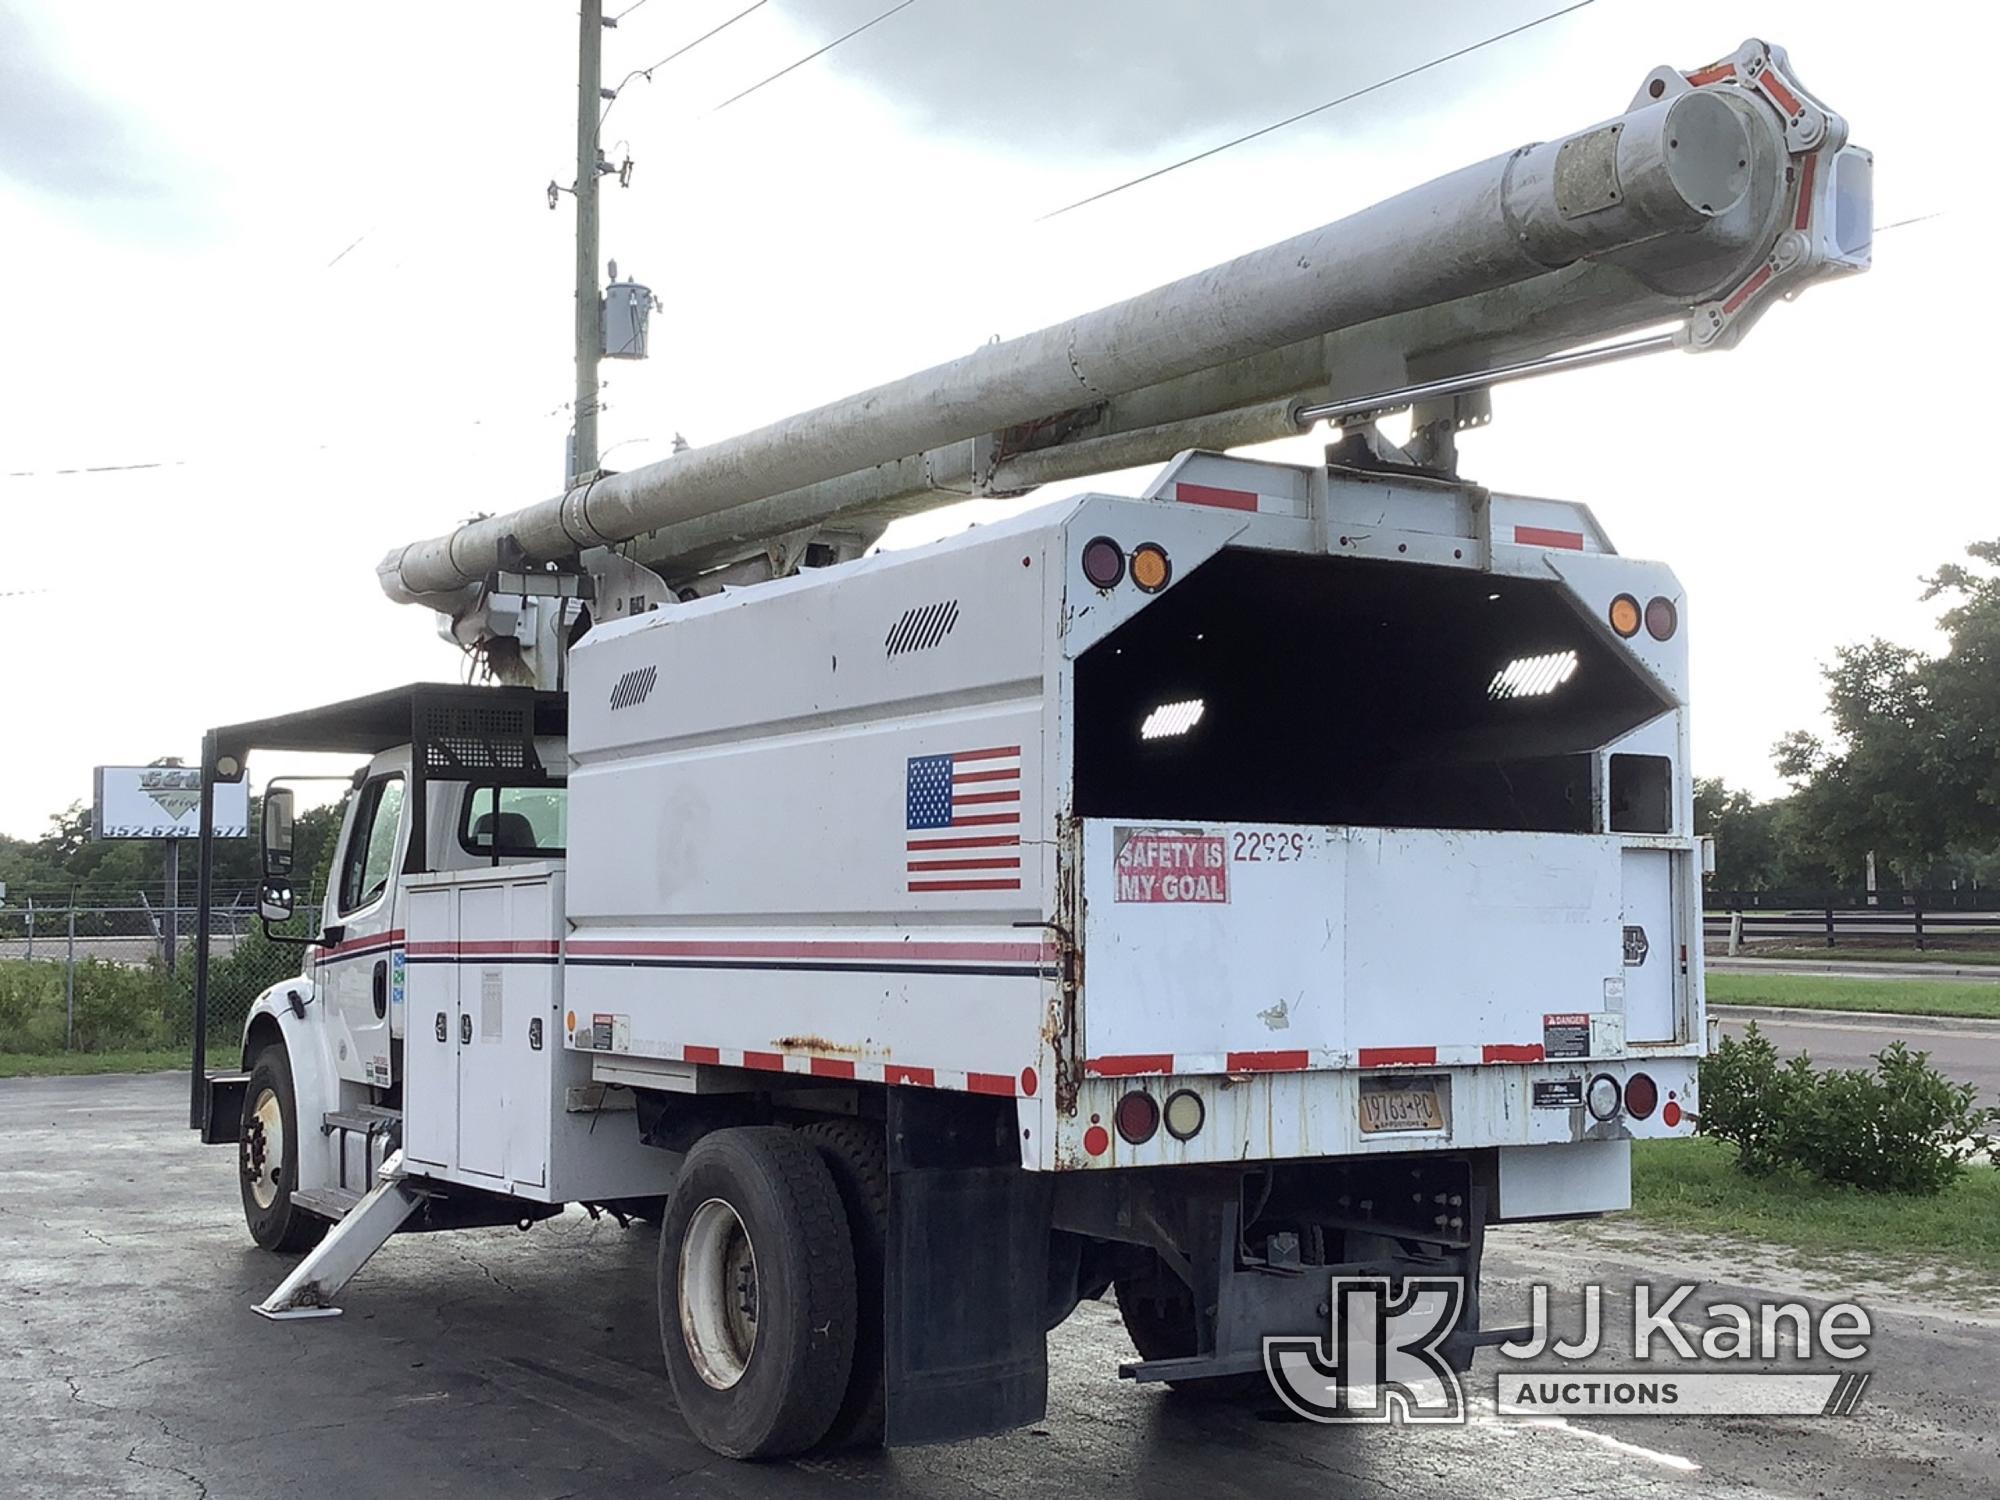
[963, 817]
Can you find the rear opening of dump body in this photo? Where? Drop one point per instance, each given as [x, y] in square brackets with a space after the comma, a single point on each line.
[1271, 687]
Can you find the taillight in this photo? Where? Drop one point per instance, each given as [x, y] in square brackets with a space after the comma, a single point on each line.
[1624, 616]
[1138, 1117]
[1103, 562]
[1661, 618]
[1185, 1113]
[1642, 1096]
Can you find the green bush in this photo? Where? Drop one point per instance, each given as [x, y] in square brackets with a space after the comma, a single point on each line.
[1902, 1128]
[118, 1008]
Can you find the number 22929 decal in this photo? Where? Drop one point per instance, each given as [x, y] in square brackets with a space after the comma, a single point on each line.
[1267, 847]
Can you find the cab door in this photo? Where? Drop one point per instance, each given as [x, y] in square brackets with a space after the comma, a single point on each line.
[357, 973]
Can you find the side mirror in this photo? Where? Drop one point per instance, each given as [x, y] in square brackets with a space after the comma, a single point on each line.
[275, 899]
[278, 840]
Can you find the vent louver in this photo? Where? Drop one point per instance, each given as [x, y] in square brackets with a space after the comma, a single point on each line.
[921, 627]
[634, 687]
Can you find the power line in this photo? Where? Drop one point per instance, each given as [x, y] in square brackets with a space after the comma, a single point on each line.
[906, 4]
[647, 72]
[627, 11]
[1498, 36]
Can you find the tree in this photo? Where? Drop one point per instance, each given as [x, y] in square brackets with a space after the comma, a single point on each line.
[1912, 770]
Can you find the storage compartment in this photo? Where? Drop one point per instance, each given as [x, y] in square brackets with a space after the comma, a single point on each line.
[1282, 688]
[492, 1098]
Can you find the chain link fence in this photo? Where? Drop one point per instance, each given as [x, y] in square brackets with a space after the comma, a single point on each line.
[78, 976]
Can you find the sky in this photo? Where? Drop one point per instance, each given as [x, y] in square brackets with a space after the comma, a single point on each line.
[298, 261]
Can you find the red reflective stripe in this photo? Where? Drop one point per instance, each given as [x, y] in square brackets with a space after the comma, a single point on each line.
[1713, 73]
[1511, 1052]
[770, 1062]
[990, 1083]
[1208, 494]
[1748, 290]
[1266, 1062]
[897, 1073]
[352, 946]
[1784, 97]
[486, 949]
[702, 1054]
[832, 1067]
[970, 952]
[1397, 1057]
[1130, 1065]
[1806, 175]
[1544, 536]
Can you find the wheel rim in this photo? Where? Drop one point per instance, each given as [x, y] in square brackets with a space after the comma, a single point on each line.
[718, 1294]
[264, 1147]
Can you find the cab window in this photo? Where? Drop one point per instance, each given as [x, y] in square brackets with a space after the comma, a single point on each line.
[371, 855]
[514, 822]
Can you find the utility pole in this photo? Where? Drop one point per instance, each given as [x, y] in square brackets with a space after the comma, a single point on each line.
[589, 319]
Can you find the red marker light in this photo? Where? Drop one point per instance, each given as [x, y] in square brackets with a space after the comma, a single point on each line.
[1138, 1117]
[1661, 618]
[1642, 1097]
[1671, 1115]
[1103, 562]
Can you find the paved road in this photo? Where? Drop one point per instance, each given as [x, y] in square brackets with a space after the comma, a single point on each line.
[1967, 1051]
[500, 1364]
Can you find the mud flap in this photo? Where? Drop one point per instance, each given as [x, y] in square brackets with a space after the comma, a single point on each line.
[966, 1272]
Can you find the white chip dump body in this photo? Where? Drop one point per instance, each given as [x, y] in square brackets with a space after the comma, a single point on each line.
[1347, 806]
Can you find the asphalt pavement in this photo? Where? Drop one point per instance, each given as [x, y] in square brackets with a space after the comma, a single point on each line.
[501, 1364]
[1968, 1051]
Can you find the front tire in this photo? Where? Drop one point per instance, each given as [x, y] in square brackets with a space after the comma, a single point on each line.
[756, 1293]
[267, 1158]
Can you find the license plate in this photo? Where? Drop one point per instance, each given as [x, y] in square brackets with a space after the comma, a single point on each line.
[1400, 1104]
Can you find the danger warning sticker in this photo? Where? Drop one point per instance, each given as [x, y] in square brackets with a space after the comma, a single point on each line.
[1170, 864]
[1566, 1034]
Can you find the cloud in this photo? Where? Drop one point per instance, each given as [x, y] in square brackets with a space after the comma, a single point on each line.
[60, 142]
[1129, 76]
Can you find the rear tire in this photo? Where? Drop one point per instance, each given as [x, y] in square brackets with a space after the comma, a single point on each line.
[267, 1158]
[857, 1155]
[756, 1293]
[1159, 1316]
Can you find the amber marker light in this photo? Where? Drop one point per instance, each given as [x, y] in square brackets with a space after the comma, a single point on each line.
[1151, 569]
[1625, 616]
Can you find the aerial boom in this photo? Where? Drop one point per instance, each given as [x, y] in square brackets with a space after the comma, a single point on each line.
[1716, 192]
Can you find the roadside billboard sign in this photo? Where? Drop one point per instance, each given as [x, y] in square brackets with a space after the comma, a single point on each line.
[163, 802]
